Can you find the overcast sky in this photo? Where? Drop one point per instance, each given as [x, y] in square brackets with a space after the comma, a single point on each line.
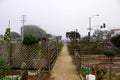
[59, 16]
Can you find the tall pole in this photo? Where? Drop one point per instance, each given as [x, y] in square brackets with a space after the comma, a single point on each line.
[10, 47]
[76, 36]
[90, 27]
[9, 24]
[89, 33]
[23, 23]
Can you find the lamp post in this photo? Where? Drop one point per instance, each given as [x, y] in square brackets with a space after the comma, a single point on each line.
[90, 28]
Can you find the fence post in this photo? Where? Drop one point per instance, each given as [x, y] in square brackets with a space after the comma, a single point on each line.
[10, 54]
[48, 57]
[24, 72]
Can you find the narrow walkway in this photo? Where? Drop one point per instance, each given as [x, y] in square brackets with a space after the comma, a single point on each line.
[64, 69]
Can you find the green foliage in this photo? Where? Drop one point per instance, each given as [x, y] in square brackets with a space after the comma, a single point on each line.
[72, 46]
[77, 47]
[7, 36]
[109, 52]
[99, 72]
[72, 35]
[3, 67]
[30, 39]
[18, 77]
[84, 70]
[60, 45]
[116, 40]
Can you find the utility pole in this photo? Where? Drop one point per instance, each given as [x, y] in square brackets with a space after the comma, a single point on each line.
[9, 24]
[22, 28]
[10, 46]
[76, 36]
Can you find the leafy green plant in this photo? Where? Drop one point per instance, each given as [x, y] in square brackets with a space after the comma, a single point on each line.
[116, 40]
[29, 40]
[99, 72]
[18, 77]
[109, 52]
[7, 36]
[84, 70]
[73, 35]
[3, 67]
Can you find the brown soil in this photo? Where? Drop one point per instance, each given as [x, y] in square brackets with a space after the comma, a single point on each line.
[64, 69]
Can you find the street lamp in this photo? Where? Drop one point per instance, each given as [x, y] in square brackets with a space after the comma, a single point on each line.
[90, 28]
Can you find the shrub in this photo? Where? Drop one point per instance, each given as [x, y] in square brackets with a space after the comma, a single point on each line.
[99, 72]
[29, 40]
[109, 52]
[18, 77]
[3, 67]
[116, 40]
[7, 36]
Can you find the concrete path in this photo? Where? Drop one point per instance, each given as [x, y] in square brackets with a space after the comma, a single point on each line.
[64, 69]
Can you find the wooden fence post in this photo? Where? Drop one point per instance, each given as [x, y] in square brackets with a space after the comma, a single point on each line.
[24, 72]
[10, 54]
[48, 57]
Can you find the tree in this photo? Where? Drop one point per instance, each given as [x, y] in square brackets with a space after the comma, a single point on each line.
[29, 40]
[14, 35]
[116, 40]
[7, 36]
[73, 35]
[35, 31]
[109, 52]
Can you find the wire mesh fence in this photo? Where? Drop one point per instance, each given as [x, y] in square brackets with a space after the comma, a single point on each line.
[38, 57]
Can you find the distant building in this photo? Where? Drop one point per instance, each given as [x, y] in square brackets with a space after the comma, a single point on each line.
[59, 38]
[115, 32]
[106, 34]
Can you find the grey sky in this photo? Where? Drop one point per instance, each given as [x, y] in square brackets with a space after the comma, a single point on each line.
[59, 16]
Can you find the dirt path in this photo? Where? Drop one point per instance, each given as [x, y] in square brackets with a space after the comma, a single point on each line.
[64, 69]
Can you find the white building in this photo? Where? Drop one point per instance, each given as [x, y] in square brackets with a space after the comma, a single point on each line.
[115, 31]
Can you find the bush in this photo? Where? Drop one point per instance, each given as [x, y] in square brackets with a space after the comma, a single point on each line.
[18, 77]
[116, 40]
[3, 67]
[7, 36]
[29, 40]
[109, 52]
[99, 72]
